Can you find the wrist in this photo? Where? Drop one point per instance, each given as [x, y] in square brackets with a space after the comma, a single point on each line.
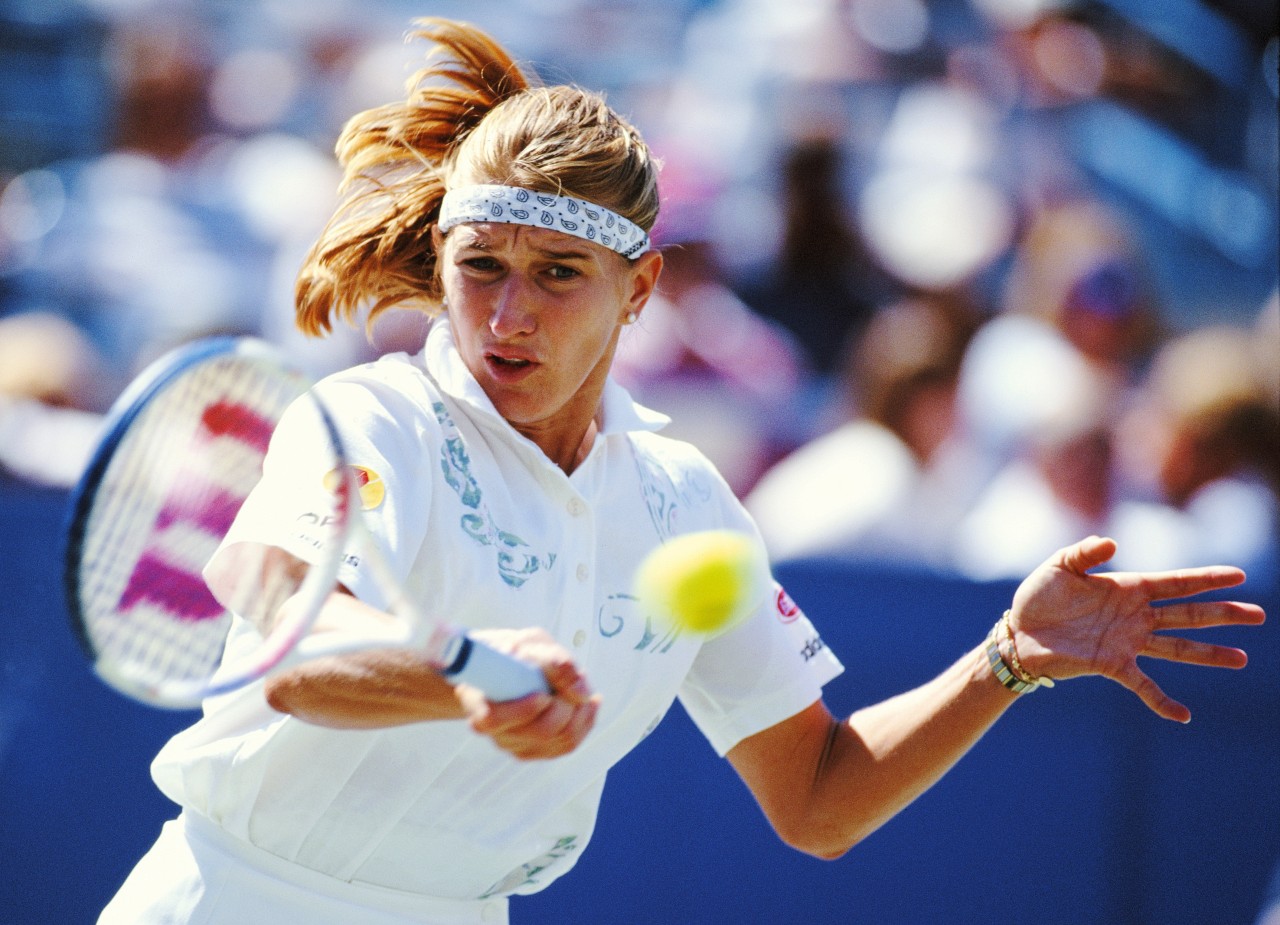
[1034, 657]
[1004, 661]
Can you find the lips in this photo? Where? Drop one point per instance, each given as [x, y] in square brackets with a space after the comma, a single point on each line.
[507, 361]
[509, 364]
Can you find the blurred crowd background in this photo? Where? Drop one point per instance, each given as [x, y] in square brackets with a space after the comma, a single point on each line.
[949, 282]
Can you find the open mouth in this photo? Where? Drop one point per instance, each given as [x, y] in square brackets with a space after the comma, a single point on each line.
[509, 366]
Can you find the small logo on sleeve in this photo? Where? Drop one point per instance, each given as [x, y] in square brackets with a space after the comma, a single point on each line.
[370, 485]
[811, 648]
[788, 612]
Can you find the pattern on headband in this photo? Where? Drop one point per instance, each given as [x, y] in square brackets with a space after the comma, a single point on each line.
[515, 205]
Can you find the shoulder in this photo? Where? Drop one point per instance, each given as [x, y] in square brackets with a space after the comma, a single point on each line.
[676, 476]
[388, 398]
[396, 383]
[679, 459]
[393, 371]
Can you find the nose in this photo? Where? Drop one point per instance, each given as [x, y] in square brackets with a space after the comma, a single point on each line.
[512, 312]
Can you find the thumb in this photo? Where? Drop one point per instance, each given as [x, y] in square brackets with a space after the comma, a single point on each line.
[568, 682]
[1086, 554]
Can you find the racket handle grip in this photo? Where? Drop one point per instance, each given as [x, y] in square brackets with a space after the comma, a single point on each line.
[500, 676]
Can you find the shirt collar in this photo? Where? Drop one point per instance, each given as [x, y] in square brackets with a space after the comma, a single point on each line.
[619, 412]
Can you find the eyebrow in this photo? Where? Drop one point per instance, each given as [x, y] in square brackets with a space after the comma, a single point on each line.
[570, 250]
[572, 254]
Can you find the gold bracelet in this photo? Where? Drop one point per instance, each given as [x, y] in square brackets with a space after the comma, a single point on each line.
[1000, 668]
[1022, 673]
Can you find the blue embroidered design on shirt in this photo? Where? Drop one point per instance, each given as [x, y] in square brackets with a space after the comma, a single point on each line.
[612, 617]
[527, 874]
[665, 499]
[515, 564]
[662, 495]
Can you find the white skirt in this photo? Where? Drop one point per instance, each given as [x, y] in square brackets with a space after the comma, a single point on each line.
[197, 874]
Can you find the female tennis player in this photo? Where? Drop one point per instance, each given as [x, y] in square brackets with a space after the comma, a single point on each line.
[515, 488]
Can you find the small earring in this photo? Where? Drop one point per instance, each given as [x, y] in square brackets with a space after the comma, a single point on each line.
[630, 319]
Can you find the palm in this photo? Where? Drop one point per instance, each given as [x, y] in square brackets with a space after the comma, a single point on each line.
[1074, 623]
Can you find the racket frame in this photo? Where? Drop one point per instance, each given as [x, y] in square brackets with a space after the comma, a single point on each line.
[456, 655]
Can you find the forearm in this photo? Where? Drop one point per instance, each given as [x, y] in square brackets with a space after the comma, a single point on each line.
[384, 687]
[884, 756]
[362, 690]
[365, 690]
[826, 784]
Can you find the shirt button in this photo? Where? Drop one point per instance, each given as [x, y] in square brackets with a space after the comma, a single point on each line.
[576, 507]
[583, 571]
[579, 638]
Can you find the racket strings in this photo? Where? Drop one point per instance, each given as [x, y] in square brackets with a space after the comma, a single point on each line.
[175, 483]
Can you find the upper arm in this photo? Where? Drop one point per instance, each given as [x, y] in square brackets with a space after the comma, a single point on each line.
[782, 767]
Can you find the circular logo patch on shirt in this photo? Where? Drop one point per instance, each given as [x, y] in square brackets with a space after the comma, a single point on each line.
[370, 485]
[788, 612]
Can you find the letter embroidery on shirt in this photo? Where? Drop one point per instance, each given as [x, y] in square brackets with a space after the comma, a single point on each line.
[664, 499]
[613, 616]
[515, 559]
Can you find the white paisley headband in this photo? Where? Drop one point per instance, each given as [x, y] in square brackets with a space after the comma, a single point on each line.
[518, 206]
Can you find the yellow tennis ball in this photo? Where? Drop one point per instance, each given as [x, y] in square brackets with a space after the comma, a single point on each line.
[700, 582]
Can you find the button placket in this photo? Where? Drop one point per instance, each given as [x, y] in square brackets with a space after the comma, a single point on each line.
[582, 599]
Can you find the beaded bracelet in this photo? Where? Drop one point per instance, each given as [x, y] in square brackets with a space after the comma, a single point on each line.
[1021, 672]
[1018, 681]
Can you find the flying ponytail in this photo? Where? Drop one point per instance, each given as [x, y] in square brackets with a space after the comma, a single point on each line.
[377, 250]
[471, 112]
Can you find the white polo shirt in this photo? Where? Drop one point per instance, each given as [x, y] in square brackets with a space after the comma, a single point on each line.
[483, 530]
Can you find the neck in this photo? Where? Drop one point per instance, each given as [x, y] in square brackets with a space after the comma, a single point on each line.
[584, 448]
[568, 436]
[567, 452]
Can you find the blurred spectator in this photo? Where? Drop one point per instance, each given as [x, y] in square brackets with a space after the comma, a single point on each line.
[1266, 344]
[730, 379]
[823, 284]
[1045, 413]
[195, 218]
[52, 388]
[935, 211]
[1202, 455]
[867, 488]
[139, 246]
[1077, 268]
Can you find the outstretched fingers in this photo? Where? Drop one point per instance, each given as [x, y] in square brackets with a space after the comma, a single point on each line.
[1164, 586]
[1191, 652]
[1157, 700]
[1200, 614]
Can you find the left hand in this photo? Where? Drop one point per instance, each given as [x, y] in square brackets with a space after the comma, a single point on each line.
[1069, 623]
[539, 726]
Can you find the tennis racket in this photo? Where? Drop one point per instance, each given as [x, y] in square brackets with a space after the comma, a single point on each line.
[182, 448]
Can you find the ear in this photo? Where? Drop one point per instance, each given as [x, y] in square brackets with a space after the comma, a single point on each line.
[645, 271]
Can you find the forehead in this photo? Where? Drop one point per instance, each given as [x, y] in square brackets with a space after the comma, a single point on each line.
[500, 236]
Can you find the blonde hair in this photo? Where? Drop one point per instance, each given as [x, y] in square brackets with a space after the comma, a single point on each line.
[471, 111]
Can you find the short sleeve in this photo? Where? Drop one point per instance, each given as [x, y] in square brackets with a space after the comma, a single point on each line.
[383, 435]
[388, 440]
[289, 508]
[765, 670]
